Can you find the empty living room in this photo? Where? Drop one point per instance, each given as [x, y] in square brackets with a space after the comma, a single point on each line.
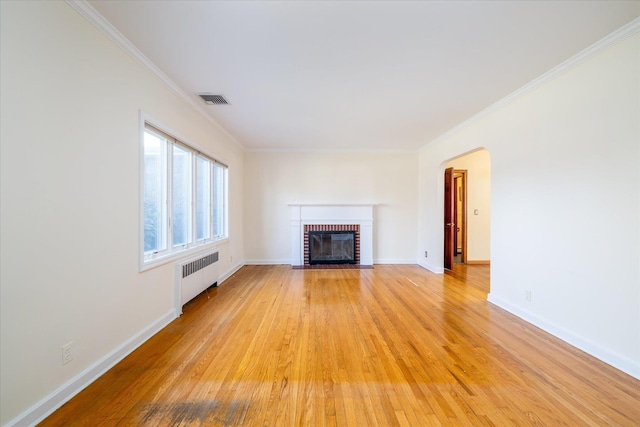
[319, 213]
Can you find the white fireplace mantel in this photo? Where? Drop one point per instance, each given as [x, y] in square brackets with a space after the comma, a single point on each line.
[304, 214]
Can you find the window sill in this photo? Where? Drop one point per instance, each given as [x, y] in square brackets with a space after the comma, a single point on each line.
[148, 264]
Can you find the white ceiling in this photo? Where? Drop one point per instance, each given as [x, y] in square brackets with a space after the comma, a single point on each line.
[357, 75]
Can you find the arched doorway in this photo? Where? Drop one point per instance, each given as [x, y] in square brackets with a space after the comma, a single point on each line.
[467, 209]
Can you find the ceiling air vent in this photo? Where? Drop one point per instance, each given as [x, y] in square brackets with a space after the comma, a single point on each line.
[213, 99]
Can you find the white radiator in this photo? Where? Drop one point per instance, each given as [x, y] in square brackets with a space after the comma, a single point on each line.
[194, 276]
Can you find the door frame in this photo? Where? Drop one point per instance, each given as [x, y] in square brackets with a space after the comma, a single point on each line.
[450, 216]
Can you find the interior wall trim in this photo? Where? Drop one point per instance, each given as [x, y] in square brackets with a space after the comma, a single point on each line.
[616, 360]
[101, 23]
[67, 391]
[64, 393]
[430, 267]
[603, 44]
[96, 19]
[391, 261]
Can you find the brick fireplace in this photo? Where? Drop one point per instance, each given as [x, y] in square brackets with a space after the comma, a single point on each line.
[339, 218]
[331, 227]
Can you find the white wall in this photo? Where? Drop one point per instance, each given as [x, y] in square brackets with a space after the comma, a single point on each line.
[565, 183]
[274, 179]
[69, 200]
[478, 167]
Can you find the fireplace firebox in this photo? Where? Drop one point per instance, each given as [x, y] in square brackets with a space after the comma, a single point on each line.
[332, 247]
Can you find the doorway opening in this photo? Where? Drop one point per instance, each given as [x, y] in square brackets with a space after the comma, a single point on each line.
[467, 187]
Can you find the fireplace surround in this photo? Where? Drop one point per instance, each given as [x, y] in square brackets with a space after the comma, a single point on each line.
[327, 217]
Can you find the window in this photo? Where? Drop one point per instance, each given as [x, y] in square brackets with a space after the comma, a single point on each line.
[184, 197]
[181, 195]
[204, 186]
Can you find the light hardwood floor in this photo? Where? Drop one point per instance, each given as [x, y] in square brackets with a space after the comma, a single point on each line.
[389, 346]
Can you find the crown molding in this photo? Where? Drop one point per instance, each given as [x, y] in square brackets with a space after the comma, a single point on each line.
[100, 22]
[294, 150]
[96, 19]
[607, 42]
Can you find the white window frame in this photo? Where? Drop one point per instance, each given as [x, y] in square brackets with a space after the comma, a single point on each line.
[171, 253]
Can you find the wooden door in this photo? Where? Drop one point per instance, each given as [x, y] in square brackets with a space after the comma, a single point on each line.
[449, 218]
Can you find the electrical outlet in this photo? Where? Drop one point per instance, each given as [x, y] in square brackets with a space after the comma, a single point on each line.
[527, 295]
[425, 254]
[67, 353]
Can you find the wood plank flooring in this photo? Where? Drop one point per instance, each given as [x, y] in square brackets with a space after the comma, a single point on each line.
[389, 346]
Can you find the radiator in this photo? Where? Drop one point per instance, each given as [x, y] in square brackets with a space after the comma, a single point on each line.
[194, 276]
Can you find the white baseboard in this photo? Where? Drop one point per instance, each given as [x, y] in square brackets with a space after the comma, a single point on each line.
[394, 261]
[267, 261]
[63, 394]
[289, 262]
[230, 272]
[431, 268]
[614, 359]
